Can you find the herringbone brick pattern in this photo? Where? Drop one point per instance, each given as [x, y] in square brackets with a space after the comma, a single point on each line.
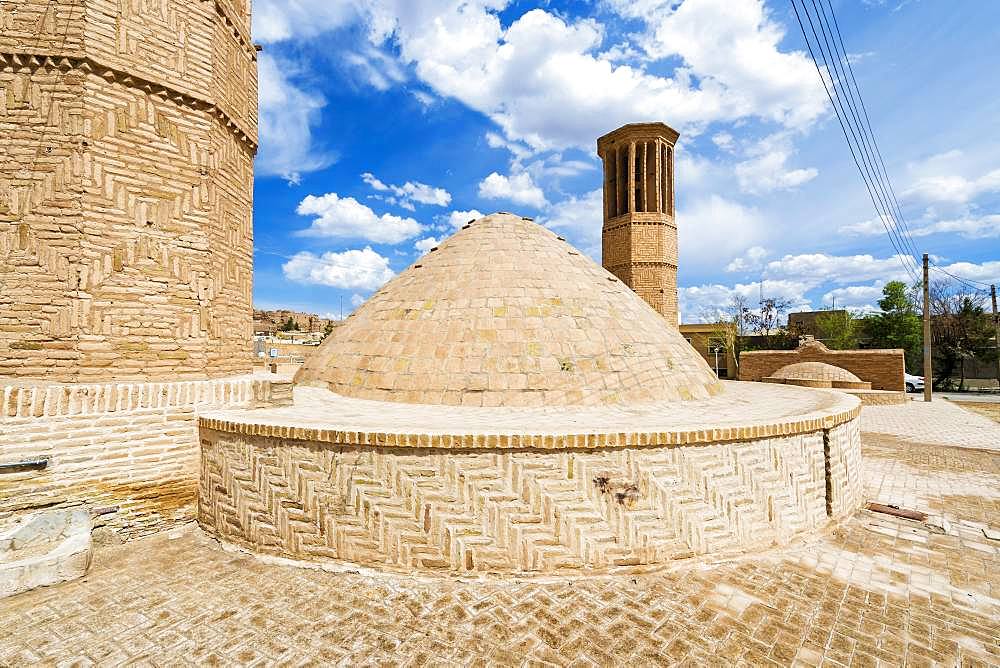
[511, 510]
[877, 591]
[126, 177]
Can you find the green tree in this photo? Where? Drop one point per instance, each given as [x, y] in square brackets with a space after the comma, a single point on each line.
[289, 325]
[328, 329]
[838, 330]
[898, 325]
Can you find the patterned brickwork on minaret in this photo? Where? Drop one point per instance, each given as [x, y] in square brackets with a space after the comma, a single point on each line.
[640, 234]
[126, 182]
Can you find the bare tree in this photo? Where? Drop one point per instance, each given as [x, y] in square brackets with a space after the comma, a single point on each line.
[960, 329]
[764, 321]
[730, 325]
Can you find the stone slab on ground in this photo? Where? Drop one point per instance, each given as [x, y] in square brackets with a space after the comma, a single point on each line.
[44, 548]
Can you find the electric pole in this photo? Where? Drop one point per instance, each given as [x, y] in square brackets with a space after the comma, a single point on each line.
[996, 328]
[928, 371]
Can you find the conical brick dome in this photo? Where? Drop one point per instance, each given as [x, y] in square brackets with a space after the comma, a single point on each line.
[505, 313]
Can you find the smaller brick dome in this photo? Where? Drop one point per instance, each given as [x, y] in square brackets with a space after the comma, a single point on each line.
[817, 374]
[815, 371]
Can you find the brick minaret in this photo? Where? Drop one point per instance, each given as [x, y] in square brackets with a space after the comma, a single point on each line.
[640, 234]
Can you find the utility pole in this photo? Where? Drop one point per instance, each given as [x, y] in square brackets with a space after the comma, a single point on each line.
[996, 328]
[928, 371]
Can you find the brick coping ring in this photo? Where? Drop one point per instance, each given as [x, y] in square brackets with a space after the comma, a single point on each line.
[742, 411]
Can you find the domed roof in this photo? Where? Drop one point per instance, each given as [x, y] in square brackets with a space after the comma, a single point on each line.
[505, 313]
[815, 371]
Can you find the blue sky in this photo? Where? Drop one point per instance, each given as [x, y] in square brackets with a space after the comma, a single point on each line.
[385, 124]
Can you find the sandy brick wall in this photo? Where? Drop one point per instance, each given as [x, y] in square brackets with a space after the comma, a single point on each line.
[882, 368]
[522, 510]
[126, 450]
[126, 180]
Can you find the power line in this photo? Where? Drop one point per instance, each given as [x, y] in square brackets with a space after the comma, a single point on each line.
[881, 209]
[871, 156]
[874, 180]
[868, 123]
[967, 282]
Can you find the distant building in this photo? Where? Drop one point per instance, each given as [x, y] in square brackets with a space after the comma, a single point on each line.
[271, 322]
[804, 322]
[707, 340]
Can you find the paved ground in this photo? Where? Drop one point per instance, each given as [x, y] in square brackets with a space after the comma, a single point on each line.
[878, 590]
[939, 422]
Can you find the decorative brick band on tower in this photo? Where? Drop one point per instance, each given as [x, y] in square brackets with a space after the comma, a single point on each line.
[126, 179]
[640, 235]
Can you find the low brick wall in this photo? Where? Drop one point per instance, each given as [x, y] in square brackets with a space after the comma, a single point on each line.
[882, 368]
[127, 451]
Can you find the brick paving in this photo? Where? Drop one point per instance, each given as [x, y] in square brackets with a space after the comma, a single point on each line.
[877, 590]
[940, 423]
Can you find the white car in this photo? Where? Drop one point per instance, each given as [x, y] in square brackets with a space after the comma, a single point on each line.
[913, 383]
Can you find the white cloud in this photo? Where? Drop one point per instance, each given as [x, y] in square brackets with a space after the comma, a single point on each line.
[986, 272]
[714, 227]
[287, 116]
[945, 178]
[581, 218]
[410, 192]
[277, 20]
[862, 297]
[724, 141]
[752, 260]
[818, 268]
[424, 98]
[425, 244]
[766, 169]
[732, 46]
[970, 227]
[458, 218]
[954, 188]
[351, 269]
[375, 68]
[517, 188]
[346, 218]
[357, 300]
[868, 228]
[518, 149]
[707, 303]
[526, 77]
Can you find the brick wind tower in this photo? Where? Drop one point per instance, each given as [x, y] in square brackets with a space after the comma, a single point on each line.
[126, 180]
[640, 234]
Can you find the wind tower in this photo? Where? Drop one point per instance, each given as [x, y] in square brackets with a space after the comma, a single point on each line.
[126, 189]
[640, 233]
